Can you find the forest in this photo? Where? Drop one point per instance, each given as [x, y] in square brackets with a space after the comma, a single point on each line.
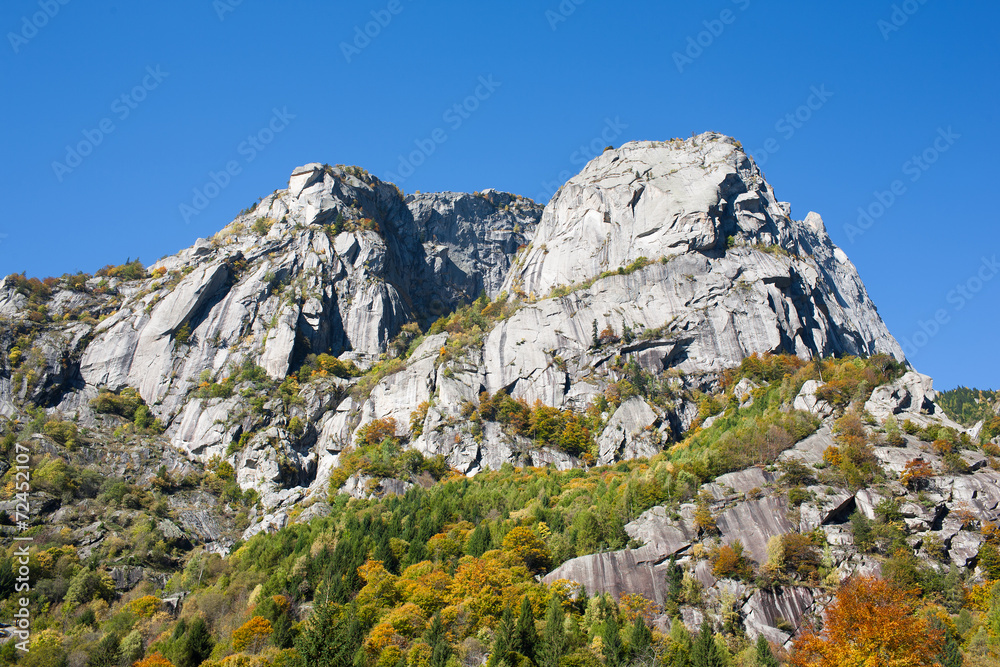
[449, 573]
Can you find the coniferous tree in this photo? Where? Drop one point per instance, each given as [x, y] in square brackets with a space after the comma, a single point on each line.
[438, 641]
[675, 586]
[435, 631]
[951, 656]
[614, 650]
[641, 650]
[504, 641]
[479, 541]
[107, 653]
[678, 652]
[197, 644]
[765, 657]
[527, 638]
[440, 654]
[553, 644]
[331, 638]
[705, 652]
[282, 635]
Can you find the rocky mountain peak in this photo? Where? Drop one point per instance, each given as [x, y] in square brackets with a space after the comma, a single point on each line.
[340, 338]
[654, 199]
[666, 258]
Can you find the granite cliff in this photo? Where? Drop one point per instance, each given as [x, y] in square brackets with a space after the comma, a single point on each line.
[338, 302]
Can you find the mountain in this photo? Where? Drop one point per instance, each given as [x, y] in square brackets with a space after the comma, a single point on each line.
[341, 339]
[678, 250]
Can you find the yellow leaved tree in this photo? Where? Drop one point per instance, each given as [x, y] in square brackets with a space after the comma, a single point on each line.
[871, 622]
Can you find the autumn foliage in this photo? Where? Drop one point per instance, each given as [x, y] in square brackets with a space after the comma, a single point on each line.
[155, 660]
[145, 606]
[251, 635]
[916, 473]
[525, 546]
[871, 623]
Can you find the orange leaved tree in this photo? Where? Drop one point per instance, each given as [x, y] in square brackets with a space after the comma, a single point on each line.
[155, 660]
[870, 624]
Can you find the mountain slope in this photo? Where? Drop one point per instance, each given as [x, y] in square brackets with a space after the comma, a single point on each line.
[674, 392]
[658, 257]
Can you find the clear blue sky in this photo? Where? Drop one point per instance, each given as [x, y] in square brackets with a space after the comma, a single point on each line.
[557, 77]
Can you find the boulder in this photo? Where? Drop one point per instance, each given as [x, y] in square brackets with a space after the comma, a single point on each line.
[740, 483]
[743, 390]
[659, 532]
[628, 433]
[963, 548]
[912, 397]
[808, 400]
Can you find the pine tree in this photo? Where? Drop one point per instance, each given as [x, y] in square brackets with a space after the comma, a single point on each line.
[479, 541]
[330, 638]
[526, 635]
[675, 586]
[641, 650]
[199, 642]
[951, 656]
[438, 640]
[282, 636]
[441, 654]
[614, 650]
[597, 337]
[954, 592]
[678, 652]
[107, 653]
[504, 641]
[553, 645]
[765, 657]
[705, 652]
[435, 632]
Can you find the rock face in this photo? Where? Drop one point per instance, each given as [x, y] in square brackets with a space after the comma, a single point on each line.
[911, 396]
[472, 239]
[767, 609]
[338, 301]
[623, 438]
[765, 281]
[659, 256]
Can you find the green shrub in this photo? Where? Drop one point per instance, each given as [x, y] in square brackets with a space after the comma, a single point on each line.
[124, 404]
[63, 432]
[130, 270]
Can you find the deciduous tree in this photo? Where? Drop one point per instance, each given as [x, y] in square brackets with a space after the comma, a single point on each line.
[870, 618]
